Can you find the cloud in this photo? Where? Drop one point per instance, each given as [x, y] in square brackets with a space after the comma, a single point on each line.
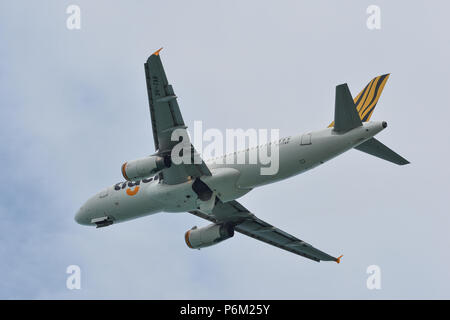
[74, 108]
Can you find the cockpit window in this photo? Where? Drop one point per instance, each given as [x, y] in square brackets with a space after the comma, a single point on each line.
[103, 194]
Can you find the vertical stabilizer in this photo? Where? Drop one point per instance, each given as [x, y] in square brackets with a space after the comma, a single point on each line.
[367, 99]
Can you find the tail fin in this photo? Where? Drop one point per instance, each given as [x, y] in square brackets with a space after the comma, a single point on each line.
[377, 149]
[367, 99]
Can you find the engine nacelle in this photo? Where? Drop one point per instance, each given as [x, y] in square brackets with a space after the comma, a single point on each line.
[144, 167]
[197, 238]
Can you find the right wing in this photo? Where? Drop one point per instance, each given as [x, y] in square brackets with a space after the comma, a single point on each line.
[248, 224]
[166, 117]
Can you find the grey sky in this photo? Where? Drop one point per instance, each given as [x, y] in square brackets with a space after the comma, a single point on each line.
[74, 108]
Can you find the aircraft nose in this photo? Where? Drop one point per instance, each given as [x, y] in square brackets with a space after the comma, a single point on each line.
[81, 217]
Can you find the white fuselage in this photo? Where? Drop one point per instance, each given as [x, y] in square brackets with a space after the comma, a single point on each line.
[297, 154]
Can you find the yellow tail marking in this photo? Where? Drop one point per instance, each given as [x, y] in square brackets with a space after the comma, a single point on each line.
[370, 114]
[368, 98]
[370, 108]
[364, 98]
[359, 94]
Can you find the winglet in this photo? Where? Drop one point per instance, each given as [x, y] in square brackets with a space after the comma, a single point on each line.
[338, 260]
[156, 53]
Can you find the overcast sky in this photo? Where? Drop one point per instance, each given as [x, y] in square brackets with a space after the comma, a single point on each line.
[74, 108]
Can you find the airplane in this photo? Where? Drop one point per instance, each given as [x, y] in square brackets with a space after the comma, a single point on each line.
[209, 190]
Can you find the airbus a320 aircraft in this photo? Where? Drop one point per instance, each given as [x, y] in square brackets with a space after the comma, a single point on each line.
[209, 190]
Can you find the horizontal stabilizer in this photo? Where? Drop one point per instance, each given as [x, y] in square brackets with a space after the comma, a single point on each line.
[377, 149]
[346, 117]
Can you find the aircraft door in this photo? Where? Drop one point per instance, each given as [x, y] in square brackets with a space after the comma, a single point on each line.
[306, 139]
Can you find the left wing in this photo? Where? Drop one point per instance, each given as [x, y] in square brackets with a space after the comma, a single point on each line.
[166, 117]
[248, 224]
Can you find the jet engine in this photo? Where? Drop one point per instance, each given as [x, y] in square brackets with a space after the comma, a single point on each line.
[197, 238]
[144, 167]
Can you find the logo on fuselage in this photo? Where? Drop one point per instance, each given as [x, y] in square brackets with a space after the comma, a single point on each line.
[132, 187]
[132, 192]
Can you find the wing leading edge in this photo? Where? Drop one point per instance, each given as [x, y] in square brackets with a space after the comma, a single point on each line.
[247, 223]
